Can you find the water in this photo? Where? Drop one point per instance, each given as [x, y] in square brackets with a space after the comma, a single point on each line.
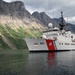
[20, 62]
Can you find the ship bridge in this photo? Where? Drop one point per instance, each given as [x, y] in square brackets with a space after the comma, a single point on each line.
[50, 34]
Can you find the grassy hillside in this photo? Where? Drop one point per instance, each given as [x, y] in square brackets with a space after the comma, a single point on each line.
[16, 37]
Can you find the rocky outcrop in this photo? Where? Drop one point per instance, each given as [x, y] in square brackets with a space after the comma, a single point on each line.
[43, 17]
[16, 9]
[15, 13]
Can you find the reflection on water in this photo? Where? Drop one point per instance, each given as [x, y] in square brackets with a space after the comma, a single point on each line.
[24, 63]
[51, 59]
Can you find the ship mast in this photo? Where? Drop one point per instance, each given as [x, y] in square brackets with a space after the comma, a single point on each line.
[61, 24]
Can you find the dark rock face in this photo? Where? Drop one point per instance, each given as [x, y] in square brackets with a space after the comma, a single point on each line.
[43, 17]
[71, 27]
[16, 9]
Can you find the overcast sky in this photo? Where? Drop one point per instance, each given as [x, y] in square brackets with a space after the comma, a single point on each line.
[52, 7]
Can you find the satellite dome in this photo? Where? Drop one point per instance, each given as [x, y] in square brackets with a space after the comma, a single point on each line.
[50, 25]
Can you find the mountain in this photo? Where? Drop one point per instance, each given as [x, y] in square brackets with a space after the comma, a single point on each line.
[43, 17]
[15, 13]
[16, 23]
[71, 27]
[16, 8]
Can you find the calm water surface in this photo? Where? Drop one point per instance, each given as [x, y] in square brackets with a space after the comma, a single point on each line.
[21, 62]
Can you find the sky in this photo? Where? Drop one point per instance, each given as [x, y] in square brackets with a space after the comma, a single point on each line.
[52, 8]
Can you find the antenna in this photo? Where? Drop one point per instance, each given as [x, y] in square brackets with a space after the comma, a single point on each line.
[53, 14]
[62, 18]
[61, 24]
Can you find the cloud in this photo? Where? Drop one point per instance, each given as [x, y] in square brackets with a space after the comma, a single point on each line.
[70, 19]
[51, 7]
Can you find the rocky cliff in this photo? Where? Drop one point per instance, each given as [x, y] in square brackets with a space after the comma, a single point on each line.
[17, 23]
[16, 9]
[43, 17]
[15, 13]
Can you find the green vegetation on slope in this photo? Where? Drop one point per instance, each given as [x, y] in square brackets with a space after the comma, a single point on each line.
[3, 45]
[16, 37]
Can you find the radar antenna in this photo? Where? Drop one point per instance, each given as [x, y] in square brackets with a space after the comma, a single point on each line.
[61, 24]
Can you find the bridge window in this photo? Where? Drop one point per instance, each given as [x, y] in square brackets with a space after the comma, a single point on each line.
[72, 44]
[35, 44]
[59, 43]
[41, 43]
[66, 43]
[71, 36]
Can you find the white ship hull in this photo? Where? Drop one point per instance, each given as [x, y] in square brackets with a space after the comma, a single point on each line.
[49, 45]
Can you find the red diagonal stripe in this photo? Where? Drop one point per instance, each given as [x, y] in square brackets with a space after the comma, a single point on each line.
[50, 44]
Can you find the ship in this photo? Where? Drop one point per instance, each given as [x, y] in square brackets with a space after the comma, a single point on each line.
[53, 39]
